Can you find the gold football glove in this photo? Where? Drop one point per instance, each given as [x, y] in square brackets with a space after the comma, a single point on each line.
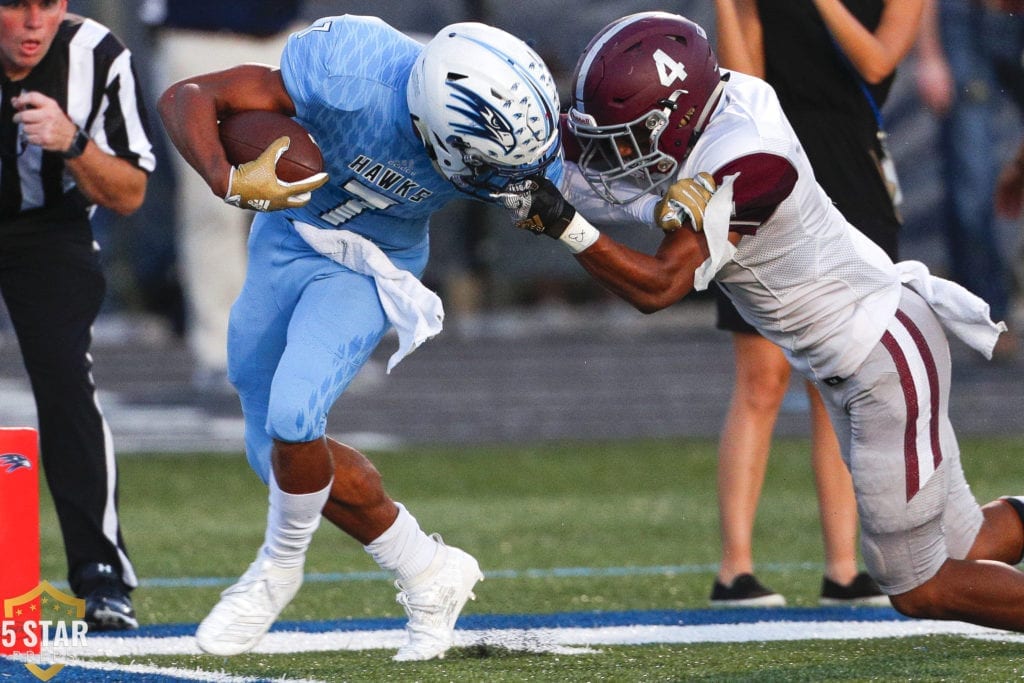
[255, 185]
[688, 196]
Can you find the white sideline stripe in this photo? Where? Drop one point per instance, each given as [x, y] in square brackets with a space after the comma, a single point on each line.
[561, 640]
[380, 575]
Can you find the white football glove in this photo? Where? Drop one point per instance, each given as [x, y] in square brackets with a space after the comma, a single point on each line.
[255, 185]
[688, 196]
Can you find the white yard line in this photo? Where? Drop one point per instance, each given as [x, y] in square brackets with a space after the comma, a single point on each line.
[561, 640]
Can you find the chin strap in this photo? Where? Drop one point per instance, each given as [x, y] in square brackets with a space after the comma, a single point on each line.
[709, 106]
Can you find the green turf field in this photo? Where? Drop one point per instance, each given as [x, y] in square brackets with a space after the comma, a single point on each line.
[573, 505]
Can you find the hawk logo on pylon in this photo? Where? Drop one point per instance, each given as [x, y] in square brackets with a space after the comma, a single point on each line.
[15, 461]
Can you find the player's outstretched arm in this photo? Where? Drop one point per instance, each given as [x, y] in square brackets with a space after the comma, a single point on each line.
[648, 282]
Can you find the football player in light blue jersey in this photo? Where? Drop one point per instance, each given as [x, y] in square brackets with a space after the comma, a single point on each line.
[334, 262]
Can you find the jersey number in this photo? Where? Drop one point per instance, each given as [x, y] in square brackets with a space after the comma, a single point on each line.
[668, 68]
[324, 25]
[363, 199]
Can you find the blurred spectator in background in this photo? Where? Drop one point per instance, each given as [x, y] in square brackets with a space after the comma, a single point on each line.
[1010, 186]
[73, 136]
[191, 37]
[832, 64]
[969, 58]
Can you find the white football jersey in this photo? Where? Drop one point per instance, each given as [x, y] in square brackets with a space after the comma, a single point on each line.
[802, 275]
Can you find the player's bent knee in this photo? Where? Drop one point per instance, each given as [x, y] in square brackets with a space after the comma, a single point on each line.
[909, 605]
[294, 423]
[924, 602]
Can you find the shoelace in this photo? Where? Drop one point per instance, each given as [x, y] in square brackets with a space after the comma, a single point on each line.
[411, 600]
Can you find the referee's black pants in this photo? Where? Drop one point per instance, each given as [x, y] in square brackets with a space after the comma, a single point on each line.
[53, 288]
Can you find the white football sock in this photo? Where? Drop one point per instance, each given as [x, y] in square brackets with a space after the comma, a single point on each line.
[291, 521]
[403, 549]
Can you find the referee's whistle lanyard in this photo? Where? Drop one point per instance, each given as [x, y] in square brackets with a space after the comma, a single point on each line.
[885, 163]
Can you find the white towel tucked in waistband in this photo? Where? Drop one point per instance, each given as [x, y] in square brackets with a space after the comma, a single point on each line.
[961, 312]
[415, 312]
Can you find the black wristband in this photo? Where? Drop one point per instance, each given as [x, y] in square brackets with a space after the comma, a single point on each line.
[78, 144]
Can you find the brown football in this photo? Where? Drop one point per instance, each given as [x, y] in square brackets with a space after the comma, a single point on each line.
[246, 134]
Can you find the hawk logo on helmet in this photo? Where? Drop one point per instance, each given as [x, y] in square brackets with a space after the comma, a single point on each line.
[486, 121]
[15, 461]
[485, 107]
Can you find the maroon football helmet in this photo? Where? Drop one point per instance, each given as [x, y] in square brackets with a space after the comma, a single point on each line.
[643, 90]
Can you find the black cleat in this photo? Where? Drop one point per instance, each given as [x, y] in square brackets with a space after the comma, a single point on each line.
[745, 591]
[108, 608]
[862, 591]
[107, 605]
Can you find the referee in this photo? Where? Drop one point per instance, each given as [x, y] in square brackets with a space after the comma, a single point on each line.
[73, 135]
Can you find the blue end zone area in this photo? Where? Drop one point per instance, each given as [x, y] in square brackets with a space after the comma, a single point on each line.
[16, 671]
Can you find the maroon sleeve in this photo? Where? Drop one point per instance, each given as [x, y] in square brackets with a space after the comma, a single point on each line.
[764, 181]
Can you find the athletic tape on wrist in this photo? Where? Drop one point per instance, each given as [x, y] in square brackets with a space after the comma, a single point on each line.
[579, 234]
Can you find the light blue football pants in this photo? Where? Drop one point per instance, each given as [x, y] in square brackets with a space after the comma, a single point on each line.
[301, 329]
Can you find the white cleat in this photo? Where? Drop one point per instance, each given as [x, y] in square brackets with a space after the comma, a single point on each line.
[433, 601]
[247, 609]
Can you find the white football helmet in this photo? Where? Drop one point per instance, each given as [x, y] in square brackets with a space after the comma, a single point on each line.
[485, 106]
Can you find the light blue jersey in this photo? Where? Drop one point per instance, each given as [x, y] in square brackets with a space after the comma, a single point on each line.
[347, 76]
[303, 324]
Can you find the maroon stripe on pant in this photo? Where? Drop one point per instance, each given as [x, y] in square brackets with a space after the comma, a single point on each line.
[910, 399]
[933, 382]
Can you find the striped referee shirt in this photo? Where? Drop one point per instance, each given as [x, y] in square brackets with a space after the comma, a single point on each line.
[89, 72]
